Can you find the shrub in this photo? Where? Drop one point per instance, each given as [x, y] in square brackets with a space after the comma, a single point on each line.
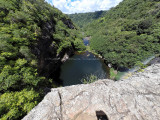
[89, 79]
[15, 105]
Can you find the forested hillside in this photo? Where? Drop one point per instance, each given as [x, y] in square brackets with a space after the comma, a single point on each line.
[128, 33]
[34, 36]
[83, 19]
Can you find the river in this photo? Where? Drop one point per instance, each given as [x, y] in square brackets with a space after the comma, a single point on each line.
[79, 66]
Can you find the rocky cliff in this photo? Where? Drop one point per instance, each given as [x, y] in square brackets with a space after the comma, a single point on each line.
[46, 51]
[137, 98]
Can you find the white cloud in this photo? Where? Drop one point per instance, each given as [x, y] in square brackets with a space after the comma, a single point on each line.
[81, 6]
[49, 1]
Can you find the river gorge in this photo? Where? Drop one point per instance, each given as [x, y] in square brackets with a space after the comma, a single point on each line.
[82, 65]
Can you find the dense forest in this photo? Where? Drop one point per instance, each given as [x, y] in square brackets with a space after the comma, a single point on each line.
[128, 33]
[83, 19]
[32, 34]
[35, 36]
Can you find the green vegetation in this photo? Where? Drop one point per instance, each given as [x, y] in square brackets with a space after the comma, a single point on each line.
[113, 73]
[89, 79]
[79, 45]
[128, 33]
[31, 31]
[140, 65]
[116, 75]
[119, 75]
[83, 19]
[14, 105]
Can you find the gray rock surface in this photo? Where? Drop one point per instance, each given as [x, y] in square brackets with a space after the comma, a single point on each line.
[137, 98]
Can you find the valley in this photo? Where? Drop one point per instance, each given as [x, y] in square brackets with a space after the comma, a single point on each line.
[42, 48]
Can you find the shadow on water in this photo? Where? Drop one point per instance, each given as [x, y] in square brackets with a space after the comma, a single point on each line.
[56, 76]
[74, 70]
[82, 65]
[101, 115]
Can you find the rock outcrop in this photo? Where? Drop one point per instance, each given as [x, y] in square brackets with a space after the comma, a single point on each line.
[48, 60]
[137, 98]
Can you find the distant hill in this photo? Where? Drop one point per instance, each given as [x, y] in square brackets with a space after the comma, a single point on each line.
[128, 33]
[83, 19]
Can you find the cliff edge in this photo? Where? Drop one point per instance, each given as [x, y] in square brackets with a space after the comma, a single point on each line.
[137, 98]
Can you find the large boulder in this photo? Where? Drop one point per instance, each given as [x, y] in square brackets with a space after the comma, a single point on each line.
[137, 98]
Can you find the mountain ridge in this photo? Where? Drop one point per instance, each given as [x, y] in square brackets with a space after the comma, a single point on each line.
[83, 19]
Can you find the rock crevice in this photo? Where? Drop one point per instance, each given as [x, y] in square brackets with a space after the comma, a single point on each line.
[60, 97]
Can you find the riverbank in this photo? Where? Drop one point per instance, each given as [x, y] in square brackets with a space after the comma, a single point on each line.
[82, 65]
[150, 61]
[118, 74]
[112, 74]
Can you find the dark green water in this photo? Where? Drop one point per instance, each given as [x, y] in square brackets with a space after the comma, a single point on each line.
[80, 66]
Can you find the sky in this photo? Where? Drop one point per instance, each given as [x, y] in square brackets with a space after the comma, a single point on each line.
[82, 6]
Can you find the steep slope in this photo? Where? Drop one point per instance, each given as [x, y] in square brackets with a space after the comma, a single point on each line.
[128, 33]
[34, 37]
[83, 19]
[136, 98]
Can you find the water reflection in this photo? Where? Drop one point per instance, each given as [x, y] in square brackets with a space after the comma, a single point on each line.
[81, 65]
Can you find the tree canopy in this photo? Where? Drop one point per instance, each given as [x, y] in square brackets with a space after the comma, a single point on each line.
[128, 33]
[83, 19]
[27, 29]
